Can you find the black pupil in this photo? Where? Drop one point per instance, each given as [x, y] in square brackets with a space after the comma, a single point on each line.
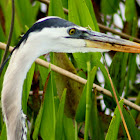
[72, 31]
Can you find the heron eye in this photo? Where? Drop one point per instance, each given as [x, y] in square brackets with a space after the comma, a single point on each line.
[72, 31]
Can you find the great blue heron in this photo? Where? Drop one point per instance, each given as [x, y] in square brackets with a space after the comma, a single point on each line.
[51, 34]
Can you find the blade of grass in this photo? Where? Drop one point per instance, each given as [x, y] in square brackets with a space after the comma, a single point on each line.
[10, 34]
[76, 131]
[39, 116]
[56, 8]
[88, 104]
[80, 113]
[59, 130]
[114, 92]
[3, 135]
[96, 125]
[37, 123]
[68, 128]
[27, 87]
[131, 124]
[48, 116]
[115, 123]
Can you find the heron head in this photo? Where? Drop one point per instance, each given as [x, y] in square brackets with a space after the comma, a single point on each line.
[53, 34]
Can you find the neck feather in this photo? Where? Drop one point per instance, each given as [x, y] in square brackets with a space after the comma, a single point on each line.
[20, 62]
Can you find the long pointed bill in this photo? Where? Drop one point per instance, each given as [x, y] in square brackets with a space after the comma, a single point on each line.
[103, 41]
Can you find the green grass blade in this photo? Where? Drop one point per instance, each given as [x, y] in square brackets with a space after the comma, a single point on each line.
[3, 135]
[131, 125]
[88, 103]
[47, 127]
[39, 116]
[115, 124]
[27, 87]
[130, 10]
[59, 130]
[26, 12]
[56, 8]
[2, 36]
[96, 127]
[109, 7]
[73, 14]
[91, 10]
[37, 123]
[76, 131]
[43, 72]
[82, 58]
[117, 70]
[68, 129]
[80, 113]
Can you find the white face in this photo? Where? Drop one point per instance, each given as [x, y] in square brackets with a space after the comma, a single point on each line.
[59, 40]
[72, 38]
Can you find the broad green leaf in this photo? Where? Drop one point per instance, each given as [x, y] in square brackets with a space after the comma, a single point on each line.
[3, 4]
[43, 72]
[89, 98]
[82, 58]
[130, 10]
[39, 116]
[37, 123]
[8, 10]
[59, 129]
[73, 14]
[65, 3]
[85, 19]
[80, 8]
[91, 10]
[17, 30]
[27, 87]
[2, 36]
[68, 129]
[80, 113]
[81, 109]
[56, 8]
[47, 127]
[57, 102]
[97, 63]
[115, 124]
[118, 70]
[131, 74]
[27, 13]
[96, 126]
[3, 135]
[131, 125]
[75, 11]
[109, 6]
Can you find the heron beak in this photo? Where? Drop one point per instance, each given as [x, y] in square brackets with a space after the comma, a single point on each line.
[103, 41]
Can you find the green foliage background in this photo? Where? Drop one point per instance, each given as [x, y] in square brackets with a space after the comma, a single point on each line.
[61, 113]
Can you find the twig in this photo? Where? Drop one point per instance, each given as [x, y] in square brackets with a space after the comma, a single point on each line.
[114, 92]
[123, 35]
[10, 34]
[75, 77]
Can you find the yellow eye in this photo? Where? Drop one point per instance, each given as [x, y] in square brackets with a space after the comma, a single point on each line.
[72, 31]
